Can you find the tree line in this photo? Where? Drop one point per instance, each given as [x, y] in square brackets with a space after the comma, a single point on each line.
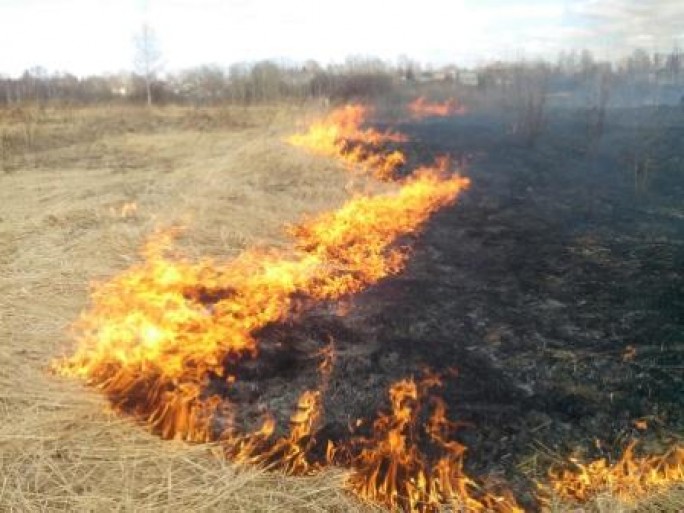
[357, 77]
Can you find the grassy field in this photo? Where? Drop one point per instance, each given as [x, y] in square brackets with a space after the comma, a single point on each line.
[80, 189]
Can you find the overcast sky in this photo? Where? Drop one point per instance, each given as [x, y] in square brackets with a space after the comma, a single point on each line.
[94, 36]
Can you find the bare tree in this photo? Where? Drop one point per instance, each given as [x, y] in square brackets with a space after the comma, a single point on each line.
[596, 120]
[529, 84]
[147, 58]
[674, 64]
[639, 63]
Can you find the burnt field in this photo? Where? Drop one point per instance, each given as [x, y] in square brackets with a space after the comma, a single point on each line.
[550, 298]
[557, 290]
[412, 340]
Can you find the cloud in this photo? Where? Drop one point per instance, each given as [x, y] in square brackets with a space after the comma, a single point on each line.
[91, 36]
[626, 24]
[80, 36]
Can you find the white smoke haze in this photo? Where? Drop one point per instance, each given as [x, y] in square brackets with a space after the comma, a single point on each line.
[622, 25]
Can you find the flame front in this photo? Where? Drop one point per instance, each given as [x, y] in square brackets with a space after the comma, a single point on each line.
[420, 108]
[392, 469]
[154, 333]
[340, 135]
[630, 479]
[159, 335]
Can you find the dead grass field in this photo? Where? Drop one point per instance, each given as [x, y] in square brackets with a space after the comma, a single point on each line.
[227, 176]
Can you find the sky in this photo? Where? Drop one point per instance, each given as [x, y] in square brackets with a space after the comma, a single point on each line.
[97, 36]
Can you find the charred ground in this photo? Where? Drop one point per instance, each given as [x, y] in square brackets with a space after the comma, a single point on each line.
[551, 296]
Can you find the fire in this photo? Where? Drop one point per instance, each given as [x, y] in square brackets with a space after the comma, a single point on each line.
[163, 336]
[169, 316]
[157, 333]
[292, 453]
[420, 108]
[630, 479]
[340, 135]
[392, 469]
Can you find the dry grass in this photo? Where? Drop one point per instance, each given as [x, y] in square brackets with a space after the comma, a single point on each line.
[232, 184]
[227, 176]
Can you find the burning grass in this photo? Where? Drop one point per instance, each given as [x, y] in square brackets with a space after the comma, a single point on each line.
[342, 135]
[392, 467]
[421, 108]
[61, 447]
[154, 342]
[630, 479]
[159, 332]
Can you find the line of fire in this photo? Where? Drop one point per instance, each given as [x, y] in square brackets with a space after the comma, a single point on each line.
[258, 353]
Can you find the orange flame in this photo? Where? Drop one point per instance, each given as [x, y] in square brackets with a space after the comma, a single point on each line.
[291, 452]
[420, 108]
[391, 469]
[159, 334]
[152, 318]
[630, 479]
[340, 135]
[156, 332]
